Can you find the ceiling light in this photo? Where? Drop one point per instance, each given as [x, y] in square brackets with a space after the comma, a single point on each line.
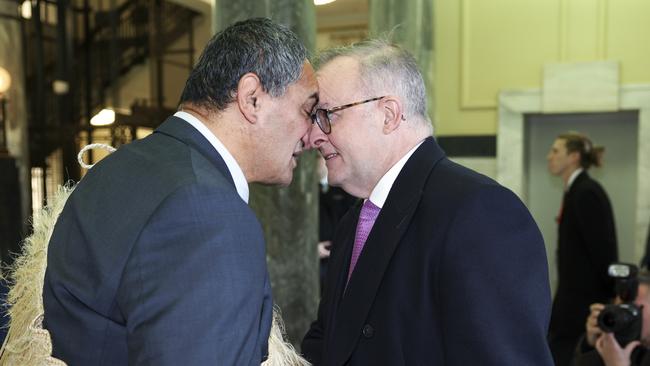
[105, 117]
[323, 2]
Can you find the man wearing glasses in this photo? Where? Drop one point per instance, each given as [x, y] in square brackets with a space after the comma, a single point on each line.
[439, 265]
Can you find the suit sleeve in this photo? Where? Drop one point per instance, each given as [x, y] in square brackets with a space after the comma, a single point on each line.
[494, 290]
[195, 290]
[596, 222]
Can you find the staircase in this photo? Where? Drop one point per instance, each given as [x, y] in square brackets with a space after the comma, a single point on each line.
[103, 46]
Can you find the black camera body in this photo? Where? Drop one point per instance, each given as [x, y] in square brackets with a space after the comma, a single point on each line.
[624, 320]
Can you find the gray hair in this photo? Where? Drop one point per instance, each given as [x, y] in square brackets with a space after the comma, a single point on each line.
[385, 65]
[269, 50]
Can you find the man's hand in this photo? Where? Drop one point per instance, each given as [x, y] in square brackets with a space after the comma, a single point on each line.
[592, 330]
[324, 249]
[612, 353]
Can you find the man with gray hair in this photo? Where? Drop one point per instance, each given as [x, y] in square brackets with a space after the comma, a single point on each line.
[439, 265]
[157, 258]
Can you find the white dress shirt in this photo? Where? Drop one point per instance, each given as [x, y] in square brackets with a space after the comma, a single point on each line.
[235, 170]
[380, 192]
[572, 178]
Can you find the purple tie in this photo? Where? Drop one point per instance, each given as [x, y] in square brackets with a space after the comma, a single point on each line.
[369, 213]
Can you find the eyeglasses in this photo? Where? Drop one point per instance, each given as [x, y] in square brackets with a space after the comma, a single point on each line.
[322, 117]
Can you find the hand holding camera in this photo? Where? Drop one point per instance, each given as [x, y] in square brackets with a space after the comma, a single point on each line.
[623, 320]
[611, 351]
[593, 331]
[618, 332]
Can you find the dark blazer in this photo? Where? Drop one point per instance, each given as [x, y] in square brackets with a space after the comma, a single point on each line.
[586, 247]
[333, 203]
[155, 260]
[453, 273]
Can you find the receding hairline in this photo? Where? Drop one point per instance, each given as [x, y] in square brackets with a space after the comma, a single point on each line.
[359, 82]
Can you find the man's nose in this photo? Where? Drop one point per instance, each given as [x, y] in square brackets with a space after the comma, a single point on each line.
[305, 141]
[315, 137]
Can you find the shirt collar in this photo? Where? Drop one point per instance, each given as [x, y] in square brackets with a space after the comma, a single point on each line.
[235, 170]
[573, 177]
[379, 194]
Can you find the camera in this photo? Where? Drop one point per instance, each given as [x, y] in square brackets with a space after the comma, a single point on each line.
[624, 320]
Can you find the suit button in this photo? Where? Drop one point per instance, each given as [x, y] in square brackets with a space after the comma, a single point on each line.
[368, 331]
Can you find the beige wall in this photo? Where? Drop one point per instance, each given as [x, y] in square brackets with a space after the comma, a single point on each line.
[484, 46]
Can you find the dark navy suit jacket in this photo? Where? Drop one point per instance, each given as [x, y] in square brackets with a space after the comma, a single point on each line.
[453, 272]
[156, 260]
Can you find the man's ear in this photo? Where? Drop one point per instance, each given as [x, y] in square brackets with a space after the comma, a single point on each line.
[393, 111]
[249, 90]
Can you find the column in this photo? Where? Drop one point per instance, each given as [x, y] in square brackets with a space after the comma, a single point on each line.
[410, 24]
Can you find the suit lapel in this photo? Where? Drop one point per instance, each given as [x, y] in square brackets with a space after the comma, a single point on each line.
[347, 234]
[181, 130]
[383, 240]
[570, 194]
[337, 273]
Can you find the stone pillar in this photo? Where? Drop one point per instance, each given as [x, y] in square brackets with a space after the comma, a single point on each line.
[288, 215]
[15, 119]
[409, 23]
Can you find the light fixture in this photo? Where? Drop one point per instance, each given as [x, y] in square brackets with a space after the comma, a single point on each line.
[60, 87]
[26, 9]
[323, 2]
[5, 80]
[105, 117]
[5, 83]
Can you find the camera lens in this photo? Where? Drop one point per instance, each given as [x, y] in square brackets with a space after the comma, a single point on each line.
[623, 320]
[614, 320]
[617, 318]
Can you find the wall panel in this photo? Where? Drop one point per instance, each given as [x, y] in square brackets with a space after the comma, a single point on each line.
[485, 46]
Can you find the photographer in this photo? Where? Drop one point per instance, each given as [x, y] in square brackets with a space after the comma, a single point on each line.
[602, 348]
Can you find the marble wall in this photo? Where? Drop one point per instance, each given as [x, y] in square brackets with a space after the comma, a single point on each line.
[410, 24]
